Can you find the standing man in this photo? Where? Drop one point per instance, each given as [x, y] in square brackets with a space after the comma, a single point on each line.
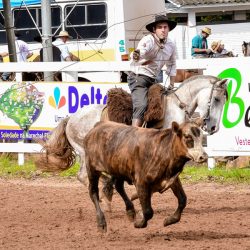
[22, 52]
[153, 52]
[22, 49]
[199, 44]
[61, 43]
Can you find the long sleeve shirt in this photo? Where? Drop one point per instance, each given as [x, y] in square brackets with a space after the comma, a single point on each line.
[22, 50]
[153, 57]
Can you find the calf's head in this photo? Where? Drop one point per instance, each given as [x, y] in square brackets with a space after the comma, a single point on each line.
[191, 138]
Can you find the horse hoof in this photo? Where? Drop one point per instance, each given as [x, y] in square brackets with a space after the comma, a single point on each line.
[170, 220]
[102, 228]
[140, 224]
[131, 215]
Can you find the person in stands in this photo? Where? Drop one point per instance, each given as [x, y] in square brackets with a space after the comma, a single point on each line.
[61, 43]
[218, 49]
[22, 52]
[153, 52]
[199, 44]
[55, 50]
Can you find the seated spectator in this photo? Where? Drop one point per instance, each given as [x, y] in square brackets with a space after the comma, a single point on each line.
[218, 49]
[199, 44]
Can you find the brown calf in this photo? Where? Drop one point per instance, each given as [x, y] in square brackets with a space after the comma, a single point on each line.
[147, 158]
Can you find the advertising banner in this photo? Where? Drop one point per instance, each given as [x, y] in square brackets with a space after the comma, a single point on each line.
[32, 109]
[234, 133]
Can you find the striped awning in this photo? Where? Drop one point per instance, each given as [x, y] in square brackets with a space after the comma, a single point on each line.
[19, 3]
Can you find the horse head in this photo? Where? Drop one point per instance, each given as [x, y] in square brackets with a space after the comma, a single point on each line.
[218, 97]
[246, 48]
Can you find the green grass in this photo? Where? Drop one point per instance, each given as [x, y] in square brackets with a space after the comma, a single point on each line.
[9, 168]
[219, 174]
[191, 174]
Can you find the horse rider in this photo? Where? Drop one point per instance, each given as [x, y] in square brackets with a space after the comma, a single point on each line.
[153, 52]
[199, 44]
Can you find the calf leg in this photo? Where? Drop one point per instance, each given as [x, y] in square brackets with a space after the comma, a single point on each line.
[94, 195]
[144, 194]
[107, 191]
[182, 201]
[119, 185]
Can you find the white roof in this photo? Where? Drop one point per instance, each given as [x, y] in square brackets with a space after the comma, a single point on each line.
[206, 2]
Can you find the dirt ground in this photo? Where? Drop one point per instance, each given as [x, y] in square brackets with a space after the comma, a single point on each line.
[58, 214]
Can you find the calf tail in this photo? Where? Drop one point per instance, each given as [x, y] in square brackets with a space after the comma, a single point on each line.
[57, 153]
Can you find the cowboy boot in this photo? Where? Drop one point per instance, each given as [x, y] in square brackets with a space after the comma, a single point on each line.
[137, 122]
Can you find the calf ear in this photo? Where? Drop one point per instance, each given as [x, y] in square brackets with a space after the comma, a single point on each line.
[175, 127]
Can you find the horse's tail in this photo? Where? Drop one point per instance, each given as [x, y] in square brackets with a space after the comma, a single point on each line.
[57, 153]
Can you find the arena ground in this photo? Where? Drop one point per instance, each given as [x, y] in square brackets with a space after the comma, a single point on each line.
[58, 214]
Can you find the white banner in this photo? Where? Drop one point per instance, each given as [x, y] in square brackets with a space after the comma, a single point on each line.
[233, 137]
[34, 108]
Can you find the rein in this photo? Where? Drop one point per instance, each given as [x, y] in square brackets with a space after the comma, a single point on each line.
[183, 106]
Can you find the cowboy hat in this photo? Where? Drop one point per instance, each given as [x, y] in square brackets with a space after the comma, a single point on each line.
[160, 19]
[206, 30]
[215, 45]
[64, 33]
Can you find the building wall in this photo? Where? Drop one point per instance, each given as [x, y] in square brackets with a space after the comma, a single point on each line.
[232, 34]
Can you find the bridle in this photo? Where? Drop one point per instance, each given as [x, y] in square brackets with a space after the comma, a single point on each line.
[206, 117]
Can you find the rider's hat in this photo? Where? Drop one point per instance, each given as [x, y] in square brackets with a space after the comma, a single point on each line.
[206, 30]
[160, 19]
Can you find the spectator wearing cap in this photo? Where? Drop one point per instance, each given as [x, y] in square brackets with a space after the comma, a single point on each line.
[153, 52]
[61, 43]
[199, 44]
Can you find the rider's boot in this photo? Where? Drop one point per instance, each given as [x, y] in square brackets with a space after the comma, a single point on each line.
[137, 122]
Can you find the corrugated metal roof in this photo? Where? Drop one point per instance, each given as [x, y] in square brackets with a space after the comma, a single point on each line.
[206, 2]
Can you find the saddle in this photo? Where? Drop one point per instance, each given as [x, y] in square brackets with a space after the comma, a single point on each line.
[120, 107]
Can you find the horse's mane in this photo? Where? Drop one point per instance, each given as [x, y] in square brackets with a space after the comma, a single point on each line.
[201, 77]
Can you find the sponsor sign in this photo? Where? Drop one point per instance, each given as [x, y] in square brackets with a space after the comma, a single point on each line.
[32, 109]
[234, 132]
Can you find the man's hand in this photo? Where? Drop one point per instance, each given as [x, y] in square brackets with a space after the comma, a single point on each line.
[136, 55]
